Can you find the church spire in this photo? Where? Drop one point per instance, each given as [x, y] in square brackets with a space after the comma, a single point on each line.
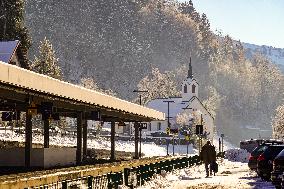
[189, 73]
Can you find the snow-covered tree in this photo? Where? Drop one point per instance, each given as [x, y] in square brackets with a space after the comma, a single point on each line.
[47, 63]
[90, 83]
[213, 101]
[278, 123]
[185, 120]
[157, 85]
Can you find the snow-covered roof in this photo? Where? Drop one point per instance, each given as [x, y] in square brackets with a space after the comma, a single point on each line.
[176, 107]
[18, 77]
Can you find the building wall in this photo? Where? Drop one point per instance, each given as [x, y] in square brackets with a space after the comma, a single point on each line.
[197, 106]
[40, 157]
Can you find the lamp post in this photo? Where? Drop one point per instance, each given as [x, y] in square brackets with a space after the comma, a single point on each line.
[168, 117]
[140, 129]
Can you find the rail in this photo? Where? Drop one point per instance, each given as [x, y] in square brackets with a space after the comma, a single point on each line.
[130, 174]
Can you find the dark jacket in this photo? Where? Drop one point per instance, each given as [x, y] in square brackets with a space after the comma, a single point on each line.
[208, 153]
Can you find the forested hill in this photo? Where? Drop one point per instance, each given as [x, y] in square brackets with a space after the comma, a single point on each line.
[118, 42]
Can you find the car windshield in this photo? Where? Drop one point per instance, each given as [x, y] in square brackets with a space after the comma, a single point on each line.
[258, 150]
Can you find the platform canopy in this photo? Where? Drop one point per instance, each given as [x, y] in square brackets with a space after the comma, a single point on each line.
[18, 84]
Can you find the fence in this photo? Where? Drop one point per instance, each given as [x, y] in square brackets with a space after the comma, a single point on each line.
[131, 177]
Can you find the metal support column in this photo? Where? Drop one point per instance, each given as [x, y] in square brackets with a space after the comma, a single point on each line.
[28, 142]
[79, 139]
[46, 133]
[140, 142]
[136, 138]
[112, 134]
[85, 131]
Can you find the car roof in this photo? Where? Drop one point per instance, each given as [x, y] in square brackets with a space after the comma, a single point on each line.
[275, 146]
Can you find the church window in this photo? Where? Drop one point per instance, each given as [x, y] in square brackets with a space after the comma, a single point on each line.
[193, 88]
[185, 88]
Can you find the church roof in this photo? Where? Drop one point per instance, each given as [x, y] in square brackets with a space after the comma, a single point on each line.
[175, 108]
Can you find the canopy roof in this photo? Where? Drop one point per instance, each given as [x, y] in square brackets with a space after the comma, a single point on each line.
[20, 78]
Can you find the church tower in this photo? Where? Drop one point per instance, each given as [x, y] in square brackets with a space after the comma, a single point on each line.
[189, 85]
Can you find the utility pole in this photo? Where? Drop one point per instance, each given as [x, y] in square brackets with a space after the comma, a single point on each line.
[168, 117]
[140, 129]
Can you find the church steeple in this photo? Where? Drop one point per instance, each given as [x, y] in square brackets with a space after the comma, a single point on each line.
[189, 85]
[189, 73]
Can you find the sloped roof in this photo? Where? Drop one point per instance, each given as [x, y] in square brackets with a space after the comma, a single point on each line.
[25, 79]
[7, 49]
[175, 108]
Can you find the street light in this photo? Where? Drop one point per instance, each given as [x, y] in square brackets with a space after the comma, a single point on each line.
[140, 129]
[140, 91]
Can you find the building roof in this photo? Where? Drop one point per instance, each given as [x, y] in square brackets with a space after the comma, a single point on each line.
[7, 49]
[17, 77]
[175, 108]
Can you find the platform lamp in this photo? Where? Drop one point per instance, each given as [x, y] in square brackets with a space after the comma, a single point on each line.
[140, 130]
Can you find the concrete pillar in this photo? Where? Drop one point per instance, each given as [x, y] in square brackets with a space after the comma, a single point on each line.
[85, 132]
[79, 139]
[46, 133]
[28, 139]
[136, 138]
[112, 134]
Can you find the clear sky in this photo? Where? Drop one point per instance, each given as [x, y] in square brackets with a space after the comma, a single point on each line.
[260, 22]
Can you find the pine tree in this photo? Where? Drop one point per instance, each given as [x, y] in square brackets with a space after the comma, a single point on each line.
[12, 27]
[47, 63]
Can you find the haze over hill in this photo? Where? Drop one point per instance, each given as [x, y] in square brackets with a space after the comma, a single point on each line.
[276, 55]
[118, 42]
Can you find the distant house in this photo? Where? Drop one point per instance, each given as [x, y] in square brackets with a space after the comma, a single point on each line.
[188, 102]
[8, 52]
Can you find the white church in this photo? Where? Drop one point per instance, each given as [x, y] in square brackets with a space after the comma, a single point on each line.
[188, 102]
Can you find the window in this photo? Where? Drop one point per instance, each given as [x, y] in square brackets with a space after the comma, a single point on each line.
[159, 126]
[193, 88]
[185, 88]
[149, 127]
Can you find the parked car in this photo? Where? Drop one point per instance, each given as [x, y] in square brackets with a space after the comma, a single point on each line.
[282, 182]
[278, 169]
[259, 150]
[265, 160]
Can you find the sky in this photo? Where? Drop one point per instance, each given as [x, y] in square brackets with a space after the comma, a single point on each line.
[259, 22]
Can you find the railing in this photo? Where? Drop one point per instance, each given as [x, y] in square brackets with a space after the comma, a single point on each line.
[131, 177]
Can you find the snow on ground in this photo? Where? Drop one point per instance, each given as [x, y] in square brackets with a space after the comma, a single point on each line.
[148, 148]
[231, 175]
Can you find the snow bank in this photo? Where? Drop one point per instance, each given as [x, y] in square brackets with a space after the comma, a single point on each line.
[237, 155]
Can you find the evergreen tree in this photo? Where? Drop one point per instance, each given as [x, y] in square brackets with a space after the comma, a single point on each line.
[47, 63]
[12, 27]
